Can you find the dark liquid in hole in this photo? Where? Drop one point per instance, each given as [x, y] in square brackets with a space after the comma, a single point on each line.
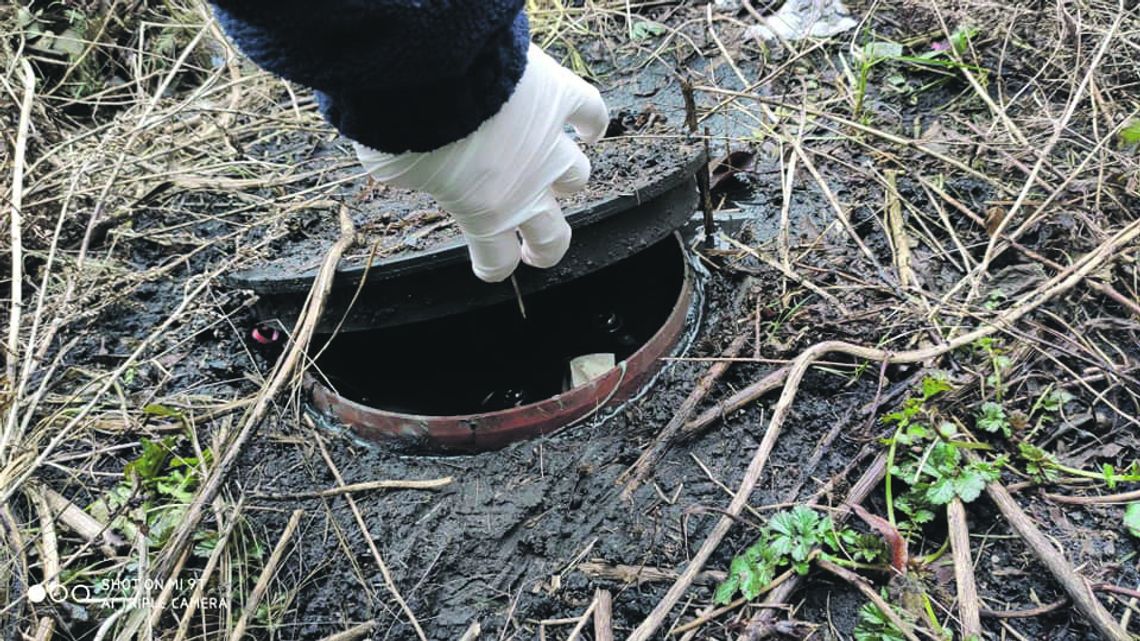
[491, 359]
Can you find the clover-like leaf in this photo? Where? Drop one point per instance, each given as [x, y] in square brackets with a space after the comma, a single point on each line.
[969, 486]
[993, 419]
[941, 492]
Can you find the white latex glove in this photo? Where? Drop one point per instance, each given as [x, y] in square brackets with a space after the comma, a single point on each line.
[500, 181]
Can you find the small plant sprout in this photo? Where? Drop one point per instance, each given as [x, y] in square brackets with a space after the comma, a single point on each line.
[873, 625]
[791, 539]
[1043, 467]
[992, 419]
[999, 363]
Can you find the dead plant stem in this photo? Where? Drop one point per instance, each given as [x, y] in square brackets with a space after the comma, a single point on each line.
[267, 573]
[969, 613]
[16, 224]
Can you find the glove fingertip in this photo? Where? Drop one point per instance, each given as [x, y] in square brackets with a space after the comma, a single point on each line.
[591, 117]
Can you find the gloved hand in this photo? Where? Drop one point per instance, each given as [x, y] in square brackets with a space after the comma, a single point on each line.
[503, 178]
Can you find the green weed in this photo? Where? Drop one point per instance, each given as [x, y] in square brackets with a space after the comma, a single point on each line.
[876, 52]
[156, 490]
[873, 625]
[791, 539]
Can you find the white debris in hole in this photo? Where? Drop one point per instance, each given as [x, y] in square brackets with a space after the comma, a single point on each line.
[586, 368]
[799, 19]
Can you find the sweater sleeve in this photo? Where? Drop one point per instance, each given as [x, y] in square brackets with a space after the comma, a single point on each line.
[394, 75]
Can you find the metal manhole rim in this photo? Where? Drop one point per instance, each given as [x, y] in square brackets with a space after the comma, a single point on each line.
[263, 280]
[470, 433]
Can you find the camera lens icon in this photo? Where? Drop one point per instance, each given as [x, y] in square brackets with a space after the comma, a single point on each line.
[37, 593]
[56, 593]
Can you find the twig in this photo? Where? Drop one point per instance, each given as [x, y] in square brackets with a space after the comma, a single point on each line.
[746, 395]
[207, 572]
[1116, 589]
[266, 576]
[899, 240]
[604, 616]
[968, 606]
[636, 474]
[640, 574]
[48, 544]
[1054, 560]
[16, 223]
[1102, 287]
[1058, 284]
[1103, 499]
[861, 584]
[796, 370]
[788, 273]
[86, 526]
[1059, 128]
[1028, 613]
[799, 367]
[583, 620]
[473, 631]
[352, 634]
[45, 629]
[366, 486]
[785, 576]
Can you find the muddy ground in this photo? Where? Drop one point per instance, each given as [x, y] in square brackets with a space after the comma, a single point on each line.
[515, 541]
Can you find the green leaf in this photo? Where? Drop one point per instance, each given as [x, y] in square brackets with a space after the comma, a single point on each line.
[805, 518]
[753, 585]
[922, 516]
[1130, 134]
[1053, 401]
[941, 492]
[801, 550]
[993, 420]
[725, 591]
[876, 51]
[782, 545]
[960, 39]
[944, 460]
[935, 384]
[643, 29]
[1109, 475]
[969, 486]
[783, 522]
[1132, 519]
[148, 465]
[740, 567]
[161, 411]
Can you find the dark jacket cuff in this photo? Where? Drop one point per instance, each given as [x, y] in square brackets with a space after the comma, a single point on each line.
[423, 117]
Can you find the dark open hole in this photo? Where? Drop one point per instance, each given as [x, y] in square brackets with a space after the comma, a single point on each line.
[491, 359]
